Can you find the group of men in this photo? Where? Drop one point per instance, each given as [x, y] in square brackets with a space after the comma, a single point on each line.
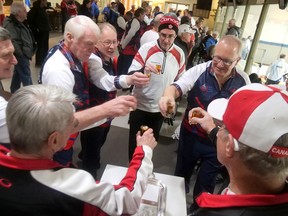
[39, 159]
[71, 56]
[48, 111]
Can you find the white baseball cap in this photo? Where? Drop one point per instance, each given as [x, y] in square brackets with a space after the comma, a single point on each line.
[255, 115]
[183, 28]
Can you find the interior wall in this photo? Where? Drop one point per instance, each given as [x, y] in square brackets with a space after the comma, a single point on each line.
[274, 37]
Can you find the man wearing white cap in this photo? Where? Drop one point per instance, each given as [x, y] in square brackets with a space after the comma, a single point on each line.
[203, 83]
[253, 145]
[184, 39]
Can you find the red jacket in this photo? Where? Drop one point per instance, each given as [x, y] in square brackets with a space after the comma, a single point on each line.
[243, 205]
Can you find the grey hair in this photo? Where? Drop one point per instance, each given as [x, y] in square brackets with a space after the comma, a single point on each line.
[263, 163]
[171, 14]
[232, 40]
[215, 33]
[4, 34]
[105, 25]
[36, 111]
[78, 25]
[15, 7]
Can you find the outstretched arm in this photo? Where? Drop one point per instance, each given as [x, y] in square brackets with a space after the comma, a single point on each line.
[119, 106]
[102, 79]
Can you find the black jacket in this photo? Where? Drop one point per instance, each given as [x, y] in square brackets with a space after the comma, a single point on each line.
[38, 19]
[22, 37]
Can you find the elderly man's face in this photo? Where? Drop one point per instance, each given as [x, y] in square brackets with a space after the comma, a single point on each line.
[107, 44]
[186, 37]
[83, 47]
[22, 14]
[166, 38]
[7, 59]
[225, 59]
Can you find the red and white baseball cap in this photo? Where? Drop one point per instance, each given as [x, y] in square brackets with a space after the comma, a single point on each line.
[256, 115]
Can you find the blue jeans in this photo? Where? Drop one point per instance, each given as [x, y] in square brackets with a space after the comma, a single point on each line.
[22, 74]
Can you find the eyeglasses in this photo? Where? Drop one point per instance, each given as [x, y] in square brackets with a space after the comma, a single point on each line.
[109, 43]
[225, 62]
[164, 36]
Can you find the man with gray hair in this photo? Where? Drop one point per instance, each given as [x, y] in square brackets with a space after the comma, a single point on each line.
[113, 108]
[233, 29]
[23, 42]
[40, 119]
[67, 66]
[255, 155]
[103, 86]
[184, 39]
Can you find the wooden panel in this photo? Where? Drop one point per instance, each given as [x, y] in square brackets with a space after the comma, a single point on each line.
[200, 13]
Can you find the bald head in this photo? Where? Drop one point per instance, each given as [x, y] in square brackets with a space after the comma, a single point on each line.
[80, 36]
[79, 25]
[226, 56]
[231, 42]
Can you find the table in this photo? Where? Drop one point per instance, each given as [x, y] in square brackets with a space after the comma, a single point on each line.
[176, 197]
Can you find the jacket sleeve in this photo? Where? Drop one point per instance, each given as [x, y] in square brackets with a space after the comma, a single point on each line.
[139, 60]
[103, 197]
[102, 79]
[121, 22]
[135, 26]
[15, 36]
[130, 190]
